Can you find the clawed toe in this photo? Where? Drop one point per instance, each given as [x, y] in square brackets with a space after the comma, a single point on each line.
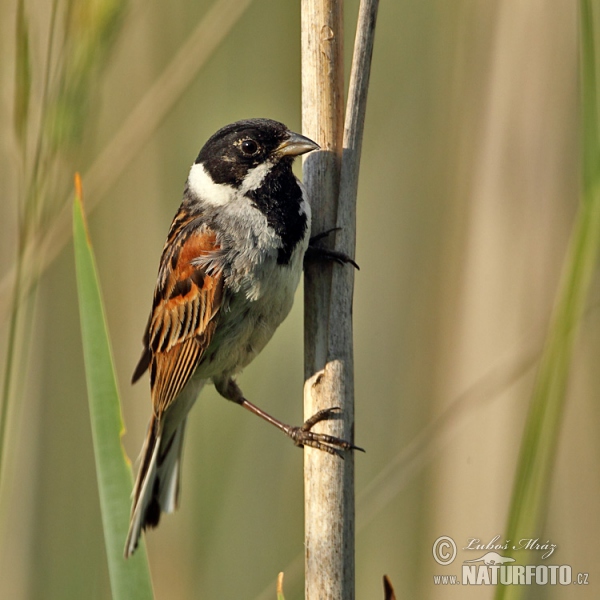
[315, 252]
[319, 236]
[303, 436]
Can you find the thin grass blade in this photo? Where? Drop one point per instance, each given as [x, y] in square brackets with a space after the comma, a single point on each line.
[22, 75]
[540, 440]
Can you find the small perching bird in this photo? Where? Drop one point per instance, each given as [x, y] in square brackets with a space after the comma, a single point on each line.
[228, 272]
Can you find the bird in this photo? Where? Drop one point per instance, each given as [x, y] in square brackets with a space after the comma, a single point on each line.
[228, 272]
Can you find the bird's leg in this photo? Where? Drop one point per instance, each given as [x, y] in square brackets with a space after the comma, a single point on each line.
[314, 252]
[302, 436]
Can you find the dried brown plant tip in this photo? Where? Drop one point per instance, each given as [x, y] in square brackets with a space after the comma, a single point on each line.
[388, 589]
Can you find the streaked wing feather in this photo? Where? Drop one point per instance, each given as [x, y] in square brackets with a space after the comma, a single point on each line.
[186, 303]
[174, 368]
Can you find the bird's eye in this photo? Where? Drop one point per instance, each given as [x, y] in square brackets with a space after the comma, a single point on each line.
[249, 147]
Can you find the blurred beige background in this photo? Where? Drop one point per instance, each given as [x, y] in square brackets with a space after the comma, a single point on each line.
[469, 185]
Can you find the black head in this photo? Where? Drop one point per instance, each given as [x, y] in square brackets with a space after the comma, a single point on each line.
[235, 149]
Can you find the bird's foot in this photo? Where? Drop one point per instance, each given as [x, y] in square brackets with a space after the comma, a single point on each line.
[303, 436]
[315, 252]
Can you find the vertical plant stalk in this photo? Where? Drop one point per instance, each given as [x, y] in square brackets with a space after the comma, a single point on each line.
[331, 182]
[28, 218]
[328, 480]
[540, 440]
[322, 121]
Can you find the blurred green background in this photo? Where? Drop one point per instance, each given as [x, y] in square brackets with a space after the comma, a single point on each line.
[469, 185]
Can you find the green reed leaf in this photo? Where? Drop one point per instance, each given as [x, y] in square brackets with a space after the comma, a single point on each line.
[130, 579]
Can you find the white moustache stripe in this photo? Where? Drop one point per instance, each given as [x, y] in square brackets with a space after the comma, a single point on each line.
[255, 177]
[203, 187]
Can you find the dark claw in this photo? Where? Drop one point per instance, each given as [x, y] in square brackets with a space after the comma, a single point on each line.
[316, 253]
[303, 436]
[339, 257]
[316, 238]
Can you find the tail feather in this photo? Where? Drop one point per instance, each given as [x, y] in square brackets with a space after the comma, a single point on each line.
[157, 485]
[156, 488]
[169, 471]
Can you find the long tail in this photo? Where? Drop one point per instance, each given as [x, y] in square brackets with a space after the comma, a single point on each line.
[157, 485]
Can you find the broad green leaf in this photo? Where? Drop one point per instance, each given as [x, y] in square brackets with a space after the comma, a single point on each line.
[130, 579]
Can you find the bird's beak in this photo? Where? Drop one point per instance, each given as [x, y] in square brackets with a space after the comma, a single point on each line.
[296, 144]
